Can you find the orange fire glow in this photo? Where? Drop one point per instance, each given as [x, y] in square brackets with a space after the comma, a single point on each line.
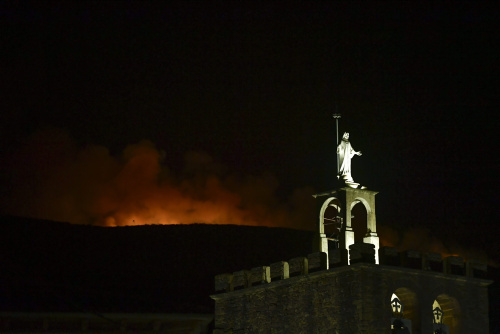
[59, 182]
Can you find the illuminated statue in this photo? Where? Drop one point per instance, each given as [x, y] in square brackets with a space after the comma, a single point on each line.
[346, 152]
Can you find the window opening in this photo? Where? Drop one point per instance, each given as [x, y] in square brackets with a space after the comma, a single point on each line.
[438, 315]
[333, 223]
[398, 323]
[359, 221]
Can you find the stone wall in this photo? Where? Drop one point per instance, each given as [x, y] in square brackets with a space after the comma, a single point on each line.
[353, 299]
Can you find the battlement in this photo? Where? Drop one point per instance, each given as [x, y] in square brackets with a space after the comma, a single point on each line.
[358, 253]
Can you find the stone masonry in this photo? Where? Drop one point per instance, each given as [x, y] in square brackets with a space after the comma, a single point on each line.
[355, 298]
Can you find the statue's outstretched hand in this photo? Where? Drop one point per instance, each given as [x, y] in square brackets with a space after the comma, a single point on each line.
[358, 153]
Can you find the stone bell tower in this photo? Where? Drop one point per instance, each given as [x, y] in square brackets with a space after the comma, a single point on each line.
[350, 285]
[347, 194]
[343, 200]
[344, 287]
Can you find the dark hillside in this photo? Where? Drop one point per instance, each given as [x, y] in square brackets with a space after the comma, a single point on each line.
[49, 266]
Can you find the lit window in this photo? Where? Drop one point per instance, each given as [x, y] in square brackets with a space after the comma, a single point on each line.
[398, 323]
[437, 312]
[397, 307]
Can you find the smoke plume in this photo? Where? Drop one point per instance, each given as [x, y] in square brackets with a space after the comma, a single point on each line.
[51, 178]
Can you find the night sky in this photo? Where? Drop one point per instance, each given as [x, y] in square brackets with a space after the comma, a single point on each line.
[122, 113]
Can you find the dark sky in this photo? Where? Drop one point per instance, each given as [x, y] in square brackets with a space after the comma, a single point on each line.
[253, 88]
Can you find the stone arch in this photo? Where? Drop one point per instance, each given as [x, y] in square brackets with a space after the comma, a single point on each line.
[326, 203]
[370, 213]
[362, 200]
[358, 224]
[321, 241]
[409, 300]
[452, 312]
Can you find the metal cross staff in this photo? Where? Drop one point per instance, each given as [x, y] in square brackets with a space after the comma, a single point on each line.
[337, 116]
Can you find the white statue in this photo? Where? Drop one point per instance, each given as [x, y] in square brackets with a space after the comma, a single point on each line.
[346, 152]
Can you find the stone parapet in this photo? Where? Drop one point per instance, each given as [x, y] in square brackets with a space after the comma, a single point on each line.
[316, 262]
[362, 252]
[259, 275]
[432, 262]
[240, 279]
[389, 256]
[224, 282]
[298, 266]
[280, 270]
[476, 268]
[411, 259]
[336, 258]
[454, 265]
[353, 299]
[359, 253]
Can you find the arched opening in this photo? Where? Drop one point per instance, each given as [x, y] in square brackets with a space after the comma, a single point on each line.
[359, 216]
[333, 223]
[447, 314]
[336, 214]
[406, 313]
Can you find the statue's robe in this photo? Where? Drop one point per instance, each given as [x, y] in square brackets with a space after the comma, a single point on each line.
[345, 152]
